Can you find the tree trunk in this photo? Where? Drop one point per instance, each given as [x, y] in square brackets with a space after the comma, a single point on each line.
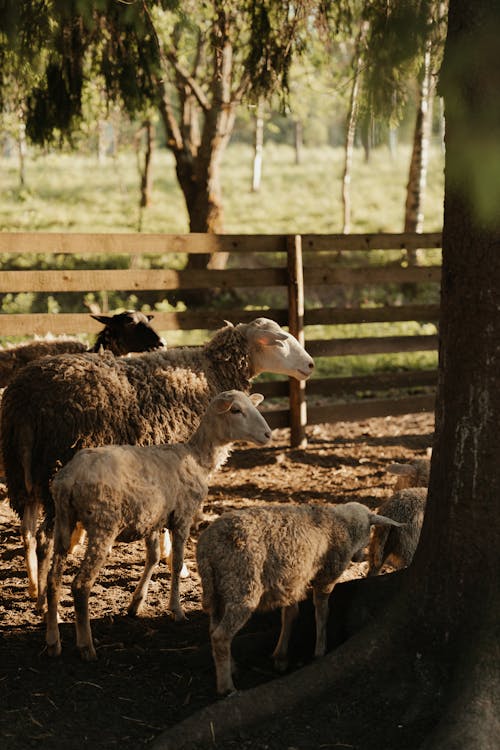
[298, 140]
[427, 667]
[258, 146]
[352, 117]
[417, 180]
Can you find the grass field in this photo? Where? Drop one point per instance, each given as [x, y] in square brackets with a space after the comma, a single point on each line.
[74, 193]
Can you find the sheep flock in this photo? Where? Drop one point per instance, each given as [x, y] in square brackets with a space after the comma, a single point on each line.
[113, 444]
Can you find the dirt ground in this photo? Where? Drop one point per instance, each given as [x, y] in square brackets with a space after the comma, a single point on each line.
[151, 672]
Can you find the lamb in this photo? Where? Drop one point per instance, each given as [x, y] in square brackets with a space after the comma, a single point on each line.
[398, 545]
[267, 557]
[58, 405]
[128, 492]
[125, 332]
[407, 505]
[413, 474]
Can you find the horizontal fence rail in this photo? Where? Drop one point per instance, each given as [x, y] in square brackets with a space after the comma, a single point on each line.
[311, 281]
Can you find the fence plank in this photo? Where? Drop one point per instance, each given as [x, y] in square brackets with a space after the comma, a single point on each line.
[385, 314]
[39, 324]
[136, 279]
[321, 276]
[358, 410]
[374, 345]
[44, 243]
[378, 241]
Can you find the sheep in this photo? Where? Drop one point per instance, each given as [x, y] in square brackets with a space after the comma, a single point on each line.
[398, 545]
[58, 405]
[125, 492]
[125, 332]
[267, 557]
[413, 474]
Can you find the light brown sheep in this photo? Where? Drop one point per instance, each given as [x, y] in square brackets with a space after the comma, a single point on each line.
[268, 557]
[398, 545]
[413, 474]
[128, 492]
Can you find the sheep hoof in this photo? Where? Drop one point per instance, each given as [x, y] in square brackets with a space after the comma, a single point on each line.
[87, 653]
[54, 649]
[281, 664]
[33, 591]
[178, 616]
[133, 608]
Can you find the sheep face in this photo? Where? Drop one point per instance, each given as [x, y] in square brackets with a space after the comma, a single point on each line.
[274, 350]
[239, 418]
[129, 331]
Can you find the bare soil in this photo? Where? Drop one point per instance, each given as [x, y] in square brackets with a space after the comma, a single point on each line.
[151, 672]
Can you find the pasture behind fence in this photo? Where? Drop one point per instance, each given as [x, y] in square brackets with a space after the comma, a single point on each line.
[309, 283]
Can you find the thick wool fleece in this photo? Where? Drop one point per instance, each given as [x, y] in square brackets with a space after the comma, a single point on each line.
[60, 404]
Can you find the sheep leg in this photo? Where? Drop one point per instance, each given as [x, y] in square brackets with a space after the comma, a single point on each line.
[179, 537]
[235, 616]
[152, 560]
[288, 615]
[376, 550]
[44, 551]
[320, 597]
[77, 537]
[94, 558]
[166, 553]
[52, 637]
[28, 533]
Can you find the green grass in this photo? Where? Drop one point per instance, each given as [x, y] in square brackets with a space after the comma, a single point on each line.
[74, 193]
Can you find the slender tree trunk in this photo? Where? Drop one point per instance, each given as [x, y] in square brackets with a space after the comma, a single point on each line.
[298, 141]
[417, 180]
[351, 126]
[258, 146]
[21, 152]
[144, 165]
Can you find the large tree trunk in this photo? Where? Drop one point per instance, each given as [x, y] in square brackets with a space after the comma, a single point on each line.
[427, 668]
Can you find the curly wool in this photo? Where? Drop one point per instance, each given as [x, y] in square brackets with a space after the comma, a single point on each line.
[57, 405]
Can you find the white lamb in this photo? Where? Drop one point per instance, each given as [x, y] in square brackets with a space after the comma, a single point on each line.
[130, 492]
[268, 557]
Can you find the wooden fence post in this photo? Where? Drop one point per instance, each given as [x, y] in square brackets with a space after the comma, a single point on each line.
[298, 406]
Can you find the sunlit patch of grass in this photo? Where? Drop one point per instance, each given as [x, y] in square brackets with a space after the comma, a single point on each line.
[74, 192]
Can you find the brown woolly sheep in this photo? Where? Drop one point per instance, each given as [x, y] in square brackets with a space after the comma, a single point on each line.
[126, 492]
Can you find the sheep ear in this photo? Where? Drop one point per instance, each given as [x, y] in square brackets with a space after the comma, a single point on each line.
[104, 319]
[401, 469]
[256, 398]
[223, 404]
[377, 520]
[269, 338]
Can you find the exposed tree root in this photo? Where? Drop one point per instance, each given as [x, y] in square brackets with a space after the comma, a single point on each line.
[244, 709]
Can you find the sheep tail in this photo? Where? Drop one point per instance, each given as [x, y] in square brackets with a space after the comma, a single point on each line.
[65, 517]
[208, 582]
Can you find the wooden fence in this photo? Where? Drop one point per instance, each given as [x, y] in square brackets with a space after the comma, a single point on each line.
[304, 276]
